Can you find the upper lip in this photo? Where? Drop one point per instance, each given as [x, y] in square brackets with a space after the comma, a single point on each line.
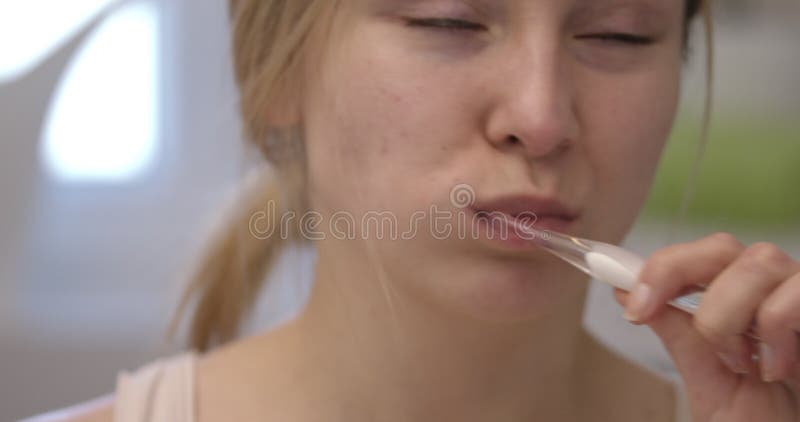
[517, 204]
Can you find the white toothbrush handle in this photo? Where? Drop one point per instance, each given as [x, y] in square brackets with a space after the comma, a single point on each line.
[688, 302]
[620, 268]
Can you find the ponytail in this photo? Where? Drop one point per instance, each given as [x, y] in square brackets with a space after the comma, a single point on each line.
[269, 38]
[234, 267]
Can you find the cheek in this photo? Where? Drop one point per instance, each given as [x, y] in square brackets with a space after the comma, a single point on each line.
[376, 124]
[346, 124]
[629, 123]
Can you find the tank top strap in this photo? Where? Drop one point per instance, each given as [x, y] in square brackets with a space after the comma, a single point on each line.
[161, 391]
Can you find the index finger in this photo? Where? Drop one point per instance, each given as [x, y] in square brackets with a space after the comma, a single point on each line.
[673, 270]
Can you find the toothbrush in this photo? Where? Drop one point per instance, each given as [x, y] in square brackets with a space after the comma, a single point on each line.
[605, 262]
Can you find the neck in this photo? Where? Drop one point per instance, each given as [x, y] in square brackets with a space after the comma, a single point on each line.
[417, 362]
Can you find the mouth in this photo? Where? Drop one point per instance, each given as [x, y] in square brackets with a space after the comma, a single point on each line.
[543, 213]
[556, 223]
[530, 207]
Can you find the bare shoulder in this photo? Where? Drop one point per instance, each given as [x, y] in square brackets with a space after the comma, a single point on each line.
[97, 410]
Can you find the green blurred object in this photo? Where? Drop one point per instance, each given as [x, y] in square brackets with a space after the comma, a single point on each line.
[750, 176]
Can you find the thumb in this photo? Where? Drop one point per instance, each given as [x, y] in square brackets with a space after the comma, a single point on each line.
[702, 370]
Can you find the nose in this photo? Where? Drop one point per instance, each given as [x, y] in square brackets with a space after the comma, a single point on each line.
[533, 108]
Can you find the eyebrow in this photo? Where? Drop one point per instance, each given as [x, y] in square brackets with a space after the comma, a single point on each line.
[648, 13]
[644, 7]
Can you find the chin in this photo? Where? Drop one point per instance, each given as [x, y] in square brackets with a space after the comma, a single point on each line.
[517, 292]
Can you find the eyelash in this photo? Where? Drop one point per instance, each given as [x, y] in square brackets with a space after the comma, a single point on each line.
[456, 25]
[631, 39]
[445, 24]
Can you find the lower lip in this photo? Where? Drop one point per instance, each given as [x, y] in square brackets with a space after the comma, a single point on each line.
[500, 233]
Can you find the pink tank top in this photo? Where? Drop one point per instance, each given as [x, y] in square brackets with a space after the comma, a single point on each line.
[161, 391]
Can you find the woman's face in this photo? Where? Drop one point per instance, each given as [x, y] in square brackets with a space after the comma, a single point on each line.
[571, 100]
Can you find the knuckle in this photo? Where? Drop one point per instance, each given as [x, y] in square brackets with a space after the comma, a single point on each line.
[771, 317]
[661, 266]
[710, 330]
[668, 256]
[727, 240]
[764, 255]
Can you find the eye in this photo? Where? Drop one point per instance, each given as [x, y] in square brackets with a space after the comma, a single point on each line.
[445, 24]
[620, 37]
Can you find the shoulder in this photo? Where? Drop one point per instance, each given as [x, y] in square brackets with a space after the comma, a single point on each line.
[98, 410]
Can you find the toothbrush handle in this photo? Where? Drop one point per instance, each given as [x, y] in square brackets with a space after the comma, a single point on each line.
[689, 302]
[620, 268]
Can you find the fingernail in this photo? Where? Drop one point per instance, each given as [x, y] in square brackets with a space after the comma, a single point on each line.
[638, 302]
[734, 363]
[767, 359]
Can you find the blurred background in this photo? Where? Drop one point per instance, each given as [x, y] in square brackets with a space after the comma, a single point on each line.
[119, 148]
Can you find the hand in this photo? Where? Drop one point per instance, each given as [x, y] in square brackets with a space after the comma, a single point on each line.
[728, 376]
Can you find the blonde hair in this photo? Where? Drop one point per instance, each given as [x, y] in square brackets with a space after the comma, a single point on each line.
[270, 40]
[705, 7]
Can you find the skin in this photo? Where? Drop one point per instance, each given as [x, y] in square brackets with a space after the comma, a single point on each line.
[425, 328]
[744, 283]
[452, 329]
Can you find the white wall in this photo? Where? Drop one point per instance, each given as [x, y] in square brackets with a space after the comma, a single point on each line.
[90, 273]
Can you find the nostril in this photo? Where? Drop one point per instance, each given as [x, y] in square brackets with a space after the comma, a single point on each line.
[513, 140]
